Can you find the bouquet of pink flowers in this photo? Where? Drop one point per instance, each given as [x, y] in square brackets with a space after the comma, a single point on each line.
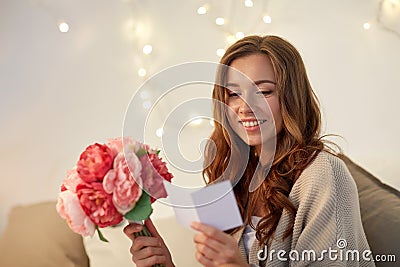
[110, 182]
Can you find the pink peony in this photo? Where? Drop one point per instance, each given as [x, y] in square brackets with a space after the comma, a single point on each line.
[71, 181]
[98, 205]
[153, 172]
[119, 144]
[95, 162]
[70, 209]
[160, 166]
[123, 182]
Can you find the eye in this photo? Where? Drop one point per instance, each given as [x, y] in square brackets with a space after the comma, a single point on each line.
[233, 91]
[232, 94]
[265, 92]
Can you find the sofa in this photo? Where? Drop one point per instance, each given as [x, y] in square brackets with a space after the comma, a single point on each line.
[36, 236]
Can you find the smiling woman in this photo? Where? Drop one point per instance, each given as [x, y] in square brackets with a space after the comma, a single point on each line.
[293, 192]
[302, 188]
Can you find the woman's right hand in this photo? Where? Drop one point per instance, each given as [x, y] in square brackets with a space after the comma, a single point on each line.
[148, 250]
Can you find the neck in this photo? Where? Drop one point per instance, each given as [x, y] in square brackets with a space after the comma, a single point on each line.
[266, 153]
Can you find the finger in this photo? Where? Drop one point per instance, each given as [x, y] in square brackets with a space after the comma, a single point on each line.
[208, 241]
[210, 231]
[203, 260]
[145, 241]
[148, 262]
[132, 228]
[152, 229]
[146, 252]
[207, 251]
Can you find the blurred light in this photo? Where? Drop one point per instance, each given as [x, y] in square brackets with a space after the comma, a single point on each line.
[220, 52]
[130, 28]
[239, 35]
[248, 3]
[147, 49]
[142, 72]
[267, 19]
[159, 132]
[395, 2]
[196, 121]
[144, 95]
[146, 104]
[231, 39]
[367, 25]
[141, 29]
[220, 21]
[212, 123]
[202, 10]
[63, 27]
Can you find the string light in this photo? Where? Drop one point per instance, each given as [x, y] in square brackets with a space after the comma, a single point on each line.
[220, 52]
[146, 104]
[239, 35]
[202, 10]
[147, 49]
[160, 132]
[220, 21]
[196, 121]
[144, 94]
[248, 3]
[367, 25]
[63, 27]
[142, 72]
[267, 19]
[230, 18]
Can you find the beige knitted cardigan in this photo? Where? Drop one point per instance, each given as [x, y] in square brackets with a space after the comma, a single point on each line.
[328, 218]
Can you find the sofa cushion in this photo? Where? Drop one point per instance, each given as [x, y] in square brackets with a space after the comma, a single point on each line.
[380, 212]
[37, 236]
[179, 240]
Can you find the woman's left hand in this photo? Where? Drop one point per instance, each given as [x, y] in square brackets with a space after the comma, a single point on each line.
[216, 248]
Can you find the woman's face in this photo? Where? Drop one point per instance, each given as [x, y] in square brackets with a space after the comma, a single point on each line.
[251, 101]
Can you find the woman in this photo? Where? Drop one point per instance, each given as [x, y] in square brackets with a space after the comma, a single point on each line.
[304, 210]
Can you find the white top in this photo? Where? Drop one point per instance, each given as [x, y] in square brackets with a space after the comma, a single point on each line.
[249, 234]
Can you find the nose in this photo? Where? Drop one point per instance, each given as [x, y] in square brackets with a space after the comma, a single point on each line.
[245, 106]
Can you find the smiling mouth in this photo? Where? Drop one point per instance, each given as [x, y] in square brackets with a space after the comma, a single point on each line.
[248, 124]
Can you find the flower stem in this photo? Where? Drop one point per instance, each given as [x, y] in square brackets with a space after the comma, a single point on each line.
[145, 232]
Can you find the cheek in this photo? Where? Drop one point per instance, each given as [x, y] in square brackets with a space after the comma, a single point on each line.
[231, 112]
[276, 112]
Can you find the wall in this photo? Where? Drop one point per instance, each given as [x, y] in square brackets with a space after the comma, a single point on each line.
[60, 92]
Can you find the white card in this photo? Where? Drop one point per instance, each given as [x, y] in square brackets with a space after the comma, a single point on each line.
[214, 205]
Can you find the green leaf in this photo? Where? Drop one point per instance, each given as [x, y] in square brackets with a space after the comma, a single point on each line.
[101, 236]
[142, 209]
[141, 152]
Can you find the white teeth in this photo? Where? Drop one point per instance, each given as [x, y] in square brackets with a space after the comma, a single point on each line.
[252, 123]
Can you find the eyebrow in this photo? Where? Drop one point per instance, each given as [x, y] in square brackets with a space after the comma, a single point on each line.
[255, 82]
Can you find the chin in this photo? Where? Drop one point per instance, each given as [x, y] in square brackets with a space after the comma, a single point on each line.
[253, 143]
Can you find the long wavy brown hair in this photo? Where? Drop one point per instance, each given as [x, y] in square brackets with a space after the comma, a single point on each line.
[297, 144]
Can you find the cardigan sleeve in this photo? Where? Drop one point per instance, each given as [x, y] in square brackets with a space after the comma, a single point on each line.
[327, 226]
